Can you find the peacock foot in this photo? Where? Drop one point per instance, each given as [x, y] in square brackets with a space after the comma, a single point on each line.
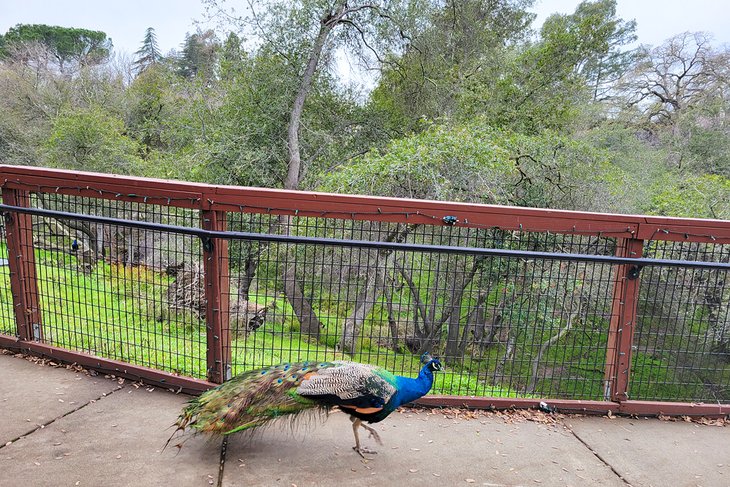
[363, 450]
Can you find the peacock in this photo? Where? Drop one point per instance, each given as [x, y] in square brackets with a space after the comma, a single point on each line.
[255, 398]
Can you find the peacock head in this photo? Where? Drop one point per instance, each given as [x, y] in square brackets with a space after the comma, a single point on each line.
[432, 363]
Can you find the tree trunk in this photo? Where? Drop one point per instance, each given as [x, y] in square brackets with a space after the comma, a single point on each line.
[249, 272]
[302, 308]
[453, 311]
[717, 326]
[453, 328]
[295, 118]
[547, 344]
[391, 319]
[508, 353]
[476, 323]
[373, 289]
[363, 305]
[310, 324]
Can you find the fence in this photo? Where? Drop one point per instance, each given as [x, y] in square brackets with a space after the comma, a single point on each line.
[185, 284]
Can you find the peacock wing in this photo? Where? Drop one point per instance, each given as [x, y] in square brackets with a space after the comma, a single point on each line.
[365, 388]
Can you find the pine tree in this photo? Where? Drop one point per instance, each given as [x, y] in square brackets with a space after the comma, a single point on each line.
[199, 55]
[149, 53]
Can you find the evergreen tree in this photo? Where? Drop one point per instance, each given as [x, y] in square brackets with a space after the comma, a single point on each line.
[232, 56]
[149, 54]
[68, 46]
[199, 55]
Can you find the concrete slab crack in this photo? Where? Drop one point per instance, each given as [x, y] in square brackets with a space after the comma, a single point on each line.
[598, 456]
[222, 462]
[47, 423]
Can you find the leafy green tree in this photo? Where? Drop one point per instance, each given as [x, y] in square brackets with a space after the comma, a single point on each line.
[705, 196]
[642, 160]
[149, 100]
[246, 136]
[699, 139]
[550, 84]
[476, 163]
[232, 56]
[596, 38]
[92, 140]
[66, 44]
[149, 54]
[306, 33]
[442, 163]
[455, 41]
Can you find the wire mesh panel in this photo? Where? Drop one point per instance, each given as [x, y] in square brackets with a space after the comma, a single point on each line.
[7, 317]
[118, 292]
[548, 312]
[504, 326]
[682, 342]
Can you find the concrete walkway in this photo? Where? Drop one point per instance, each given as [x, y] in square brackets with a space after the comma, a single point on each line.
[62, 427]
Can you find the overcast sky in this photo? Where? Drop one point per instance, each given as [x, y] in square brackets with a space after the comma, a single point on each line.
[125, 21]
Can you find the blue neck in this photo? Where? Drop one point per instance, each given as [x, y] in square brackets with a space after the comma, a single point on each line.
[411, 389]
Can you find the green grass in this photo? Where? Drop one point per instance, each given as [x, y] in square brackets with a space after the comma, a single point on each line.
[7, 321]
[120, 313]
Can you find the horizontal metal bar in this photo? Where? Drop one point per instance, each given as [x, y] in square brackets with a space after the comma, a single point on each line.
[290, 239]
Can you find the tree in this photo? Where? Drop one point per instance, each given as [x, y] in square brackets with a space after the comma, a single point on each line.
[149, 54]
[232, 56]
[679, 94]
[199, 55]
[149, 98]
[92, 140]
[678, 75]
[66, 44]
[703, 196]
[596, 37]
[455, 41]
[550, 83]
[304, 34]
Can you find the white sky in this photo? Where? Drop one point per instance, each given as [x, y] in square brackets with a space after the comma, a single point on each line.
[125, 21]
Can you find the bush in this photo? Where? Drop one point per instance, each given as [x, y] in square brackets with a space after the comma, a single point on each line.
[91, 140]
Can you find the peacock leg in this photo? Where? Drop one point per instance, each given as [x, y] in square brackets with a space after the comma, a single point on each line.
[356, 423]
[373, 434]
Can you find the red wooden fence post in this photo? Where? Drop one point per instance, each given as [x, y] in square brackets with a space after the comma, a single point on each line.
[217, 287]
[623, 322]
[21, 261]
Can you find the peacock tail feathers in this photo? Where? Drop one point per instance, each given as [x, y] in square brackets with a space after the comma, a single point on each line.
[250, 399]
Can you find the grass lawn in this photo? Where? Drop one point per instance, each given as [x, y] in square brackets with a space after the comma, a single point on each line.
[121, 313]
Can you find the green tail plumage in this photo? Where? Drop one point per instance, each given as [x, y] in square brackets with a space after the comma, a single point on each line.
[250, 400]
